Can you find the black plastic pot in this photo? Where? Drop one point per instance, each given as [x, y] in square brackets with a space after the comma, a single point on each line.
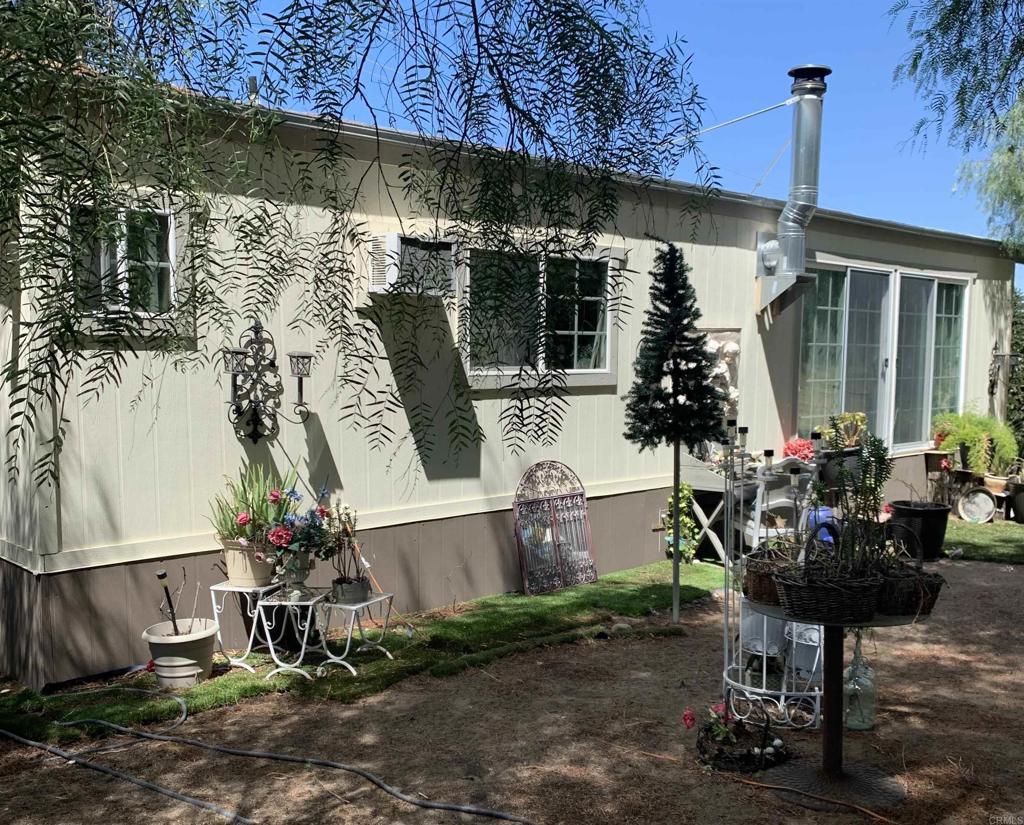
[1017, 500]
[926, 520]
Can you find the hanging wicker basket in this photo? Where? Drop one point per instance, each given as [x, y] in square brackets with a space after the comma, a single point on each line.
[806, 597]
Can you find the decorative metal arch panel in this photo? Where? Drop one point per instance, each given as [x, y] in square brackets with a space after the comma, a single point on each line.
[552, 529]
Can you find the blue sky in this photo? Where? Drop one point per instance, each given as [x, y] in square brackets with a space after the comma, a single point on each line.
[742, 50]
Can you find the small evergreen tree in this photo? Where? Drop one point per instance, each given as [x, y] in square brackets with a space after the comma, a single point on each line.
[672, 400]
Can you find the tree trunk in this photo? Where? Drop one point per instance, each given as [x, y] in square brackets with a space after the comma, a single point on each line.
[676, 555]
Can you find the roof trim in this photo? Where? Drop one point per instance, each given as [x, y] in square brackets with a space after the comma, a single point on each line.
[401, 138]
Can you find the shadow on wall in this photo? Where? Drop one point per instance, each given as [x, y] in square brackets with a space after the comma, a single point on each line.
[431, 383]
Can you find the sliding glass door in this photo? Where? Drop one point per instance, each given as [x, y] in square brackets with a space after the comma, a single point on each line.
[913, 361]
[866, 344]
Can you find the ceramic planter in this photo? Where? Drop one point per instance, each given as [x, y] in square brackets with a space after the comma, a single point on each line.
[185, 659]
[995, 484]
[836, 461]
[243, 567]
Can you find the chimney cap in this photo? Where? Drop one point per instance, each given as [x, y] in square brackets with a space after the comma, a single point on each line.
[809, 78]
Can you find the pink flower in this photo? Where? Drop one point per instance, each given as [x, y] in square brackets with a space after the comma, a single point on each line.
[802, 448]
[242, 519]
[689, 719]
[280, 536]
[887, 508]
[322, 511]
[718, 709]
[946, 465]
[274, 496]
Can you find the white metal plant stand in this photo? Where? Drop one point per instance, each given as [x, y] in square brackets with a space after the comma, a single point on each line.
[307, 610]
[355, 613]
[771, 666]
[251, 595]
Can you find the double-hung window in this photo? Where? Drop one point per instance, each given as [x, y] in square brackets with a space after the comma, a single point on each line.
[882, 342]
[125, 260]
[546, 313]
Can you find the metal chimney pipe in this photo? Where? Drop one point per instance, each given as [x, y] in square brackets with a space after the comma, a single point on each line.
[809, 89]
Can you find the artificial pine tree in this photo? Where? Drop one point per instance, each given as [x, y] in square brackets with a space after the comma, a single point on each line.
[672, 400]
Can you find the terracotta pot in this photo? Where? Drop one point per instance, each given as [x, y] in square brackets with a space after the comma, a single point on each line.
[995, 484]
[185, 659]
[243, 568]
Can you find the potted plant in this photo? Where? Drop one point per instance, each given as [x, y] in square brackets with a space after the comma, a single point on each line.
[242, 517]
[907, 590]
[180, 650]
[989, 444]
[843, 436]
[298, 540]
[351, 585]
[838, 578]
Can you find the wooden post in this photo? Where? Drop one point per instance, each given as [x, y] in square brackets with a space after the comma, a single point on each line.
[832, 703]
[676, 556]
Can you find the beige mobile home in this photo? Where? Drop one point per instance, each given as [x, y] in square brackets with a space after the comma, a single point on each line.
[900, 322]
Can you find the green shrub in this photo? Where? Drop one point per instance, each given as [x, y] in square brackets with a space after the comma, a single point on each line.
[991, 447]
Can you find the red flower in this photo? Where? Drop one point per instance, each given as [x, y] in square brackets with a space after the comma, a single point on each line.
[274, 496]
[802, 448]
[150, 666]
[689, 719]
[946, 465]
[887, 507]
[280, 536]
[322, 511]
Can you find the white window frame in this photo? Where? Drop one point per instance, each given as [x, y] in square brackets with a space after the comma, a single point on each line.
[121, 283]
[887, 404]
[498, 377]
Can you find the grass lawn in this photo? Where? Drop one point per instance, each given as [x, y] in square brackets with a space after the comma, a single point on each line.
[1000, 541]
[479, 632]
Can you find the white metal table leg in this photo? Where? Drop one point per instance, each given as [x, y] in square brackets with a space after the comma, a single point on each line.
[330, 658]
[370, 644]
[291, 617]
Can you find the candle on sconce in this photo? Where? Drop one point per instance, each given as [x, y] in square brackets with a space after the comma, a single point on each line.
[794, 477]
[743, 437]
[768, 456]
[816, 442]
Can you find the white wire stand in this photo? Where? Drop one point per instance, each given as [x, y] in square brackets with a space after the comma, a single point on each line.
[251, 595]
[297, 607]
[771, 666]
[355, 613]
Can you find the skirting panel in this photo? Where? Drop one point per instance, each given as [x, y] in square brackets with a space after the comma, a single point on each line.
[61, 626]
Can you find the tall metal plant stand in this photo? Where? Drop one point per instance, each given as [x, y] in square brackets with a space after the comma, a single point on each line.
[854, 782]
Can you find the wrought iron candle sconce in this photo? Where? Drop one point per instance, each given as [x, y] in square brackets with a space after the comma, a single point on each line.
[256, 384]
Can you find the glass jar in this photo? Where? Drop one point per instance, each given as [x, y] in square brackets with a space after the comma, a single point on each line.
[860, 698]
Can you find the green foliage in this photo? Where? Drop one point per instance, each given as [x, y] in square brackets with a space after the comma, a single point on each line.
[991, 447]
[967, 61]
[846, 429]
[251, 495]
[999, 181]
[489, 628]
[1015, 393]
[534, 112]
[687, 524]
[672, 399]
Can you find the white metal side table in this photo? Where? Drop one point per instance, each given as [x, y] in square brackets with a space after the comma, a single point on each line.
[297, 606]
[252, 595]
[355, 612]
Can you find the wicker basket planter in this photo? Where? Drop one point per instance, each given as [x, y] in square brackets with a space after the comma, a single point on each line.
[909, 592]
[926, 520]
[813, 600]
[759, 571]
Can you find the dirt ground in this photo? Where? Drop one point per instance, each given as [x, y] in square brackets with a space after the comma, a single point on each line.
[587, 733]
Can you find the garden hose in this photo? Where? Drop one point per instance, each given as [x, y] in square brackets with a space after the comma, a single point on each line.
[196, 743]
[142, 783]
